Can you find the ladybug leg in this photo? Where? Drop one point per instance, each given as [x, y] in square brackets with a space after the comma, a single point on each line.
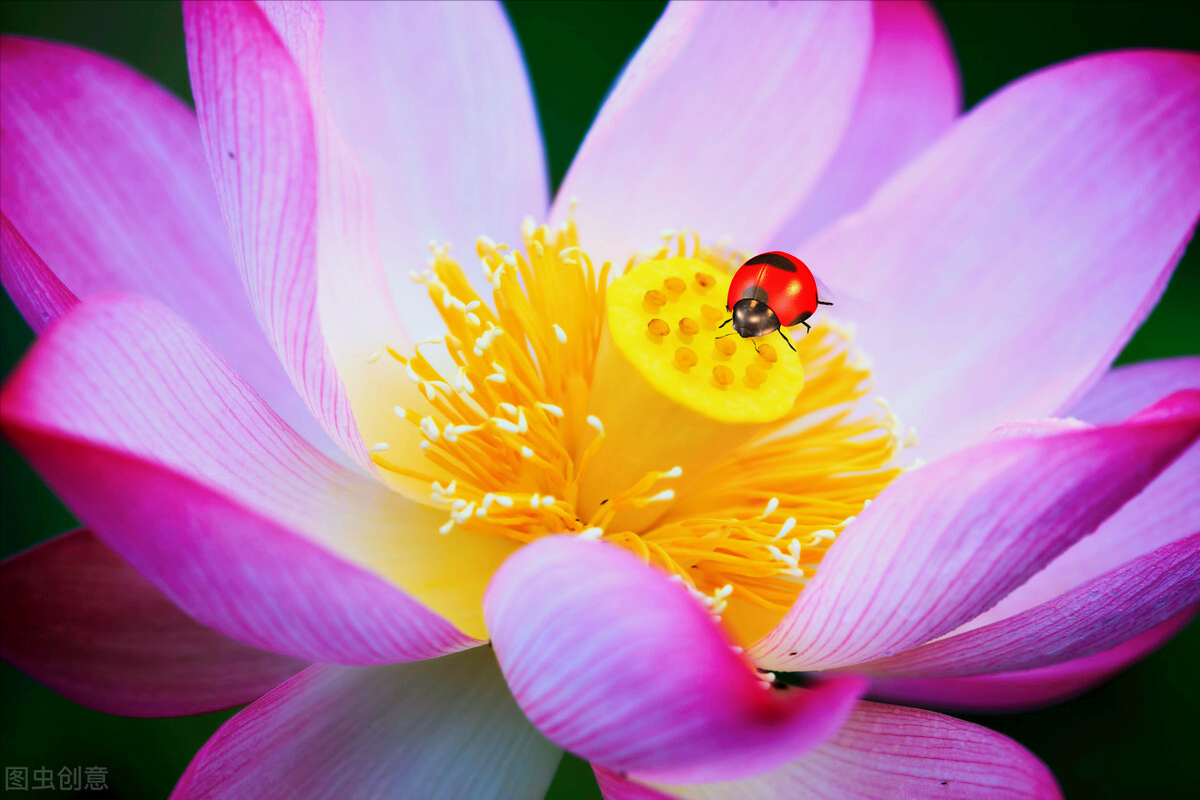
[807, 327]
[786, 339]
[726, 322]
[823, 303]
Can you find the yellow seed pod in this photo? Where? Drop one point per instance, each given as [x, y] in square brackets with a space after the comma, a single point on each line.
[687, 375]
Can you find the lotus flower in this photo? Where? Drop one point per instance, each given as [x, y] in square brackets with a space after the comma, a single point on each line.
[431, 568]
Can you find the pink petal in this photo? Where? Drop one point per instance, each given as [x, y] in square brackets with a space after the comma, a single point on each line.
[105, 179]
[286, 211]
[1163, 513]
[1036, 235]
[178, 466]
[434, 100]
[445, 728]
[882, 751]
[1094, 616]
[909, 97]
[611, 660]
[1121, 392]
[37, 292]
[946, 542]
[723, 122]
[1033, 688]
[83, 622]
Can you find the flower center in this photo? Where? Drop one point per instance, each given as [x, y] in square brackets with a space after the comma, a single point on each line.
[624, 413]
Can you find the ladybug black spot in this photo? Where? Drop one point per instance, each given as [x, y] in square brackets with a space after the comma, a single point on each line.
[755, 293]
[773, 260]
[801, 317]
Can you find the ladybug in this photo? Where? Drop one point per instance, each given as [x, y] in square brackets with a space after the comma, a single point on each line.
[770, 291]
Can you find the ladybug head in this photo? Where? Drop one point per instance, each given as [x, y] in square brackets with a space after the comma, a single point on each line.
[753, 318]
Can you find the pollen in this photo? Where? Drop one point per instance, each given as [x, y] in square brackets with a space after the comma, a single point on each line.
[566, 403]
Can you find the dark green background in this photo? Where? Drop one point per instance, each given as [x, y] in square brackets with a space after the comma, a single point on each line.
[1134, 737]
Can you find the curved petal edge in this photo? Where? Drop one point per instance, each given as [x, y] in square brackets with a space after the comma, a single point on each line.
[78, 619]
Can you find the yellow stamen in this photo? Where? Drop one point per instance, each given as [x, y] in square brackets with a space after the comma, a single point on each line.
[568, 406]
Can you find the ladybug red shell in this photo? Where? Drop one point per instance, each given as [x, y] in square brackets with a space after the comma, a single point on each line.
[769, 291]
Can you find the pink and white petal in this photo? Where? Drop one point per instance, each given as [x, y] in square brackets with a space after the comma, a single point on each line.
[343, 268]
[1164, 512]
[445, 728]
[435, 101]
[615, 662]
[723, 122]
[1028, 689]
[1095, 616]
[910, 96]
[80, 620]
[1122, 391]
[252, 531]
[38, 294]
[233, 569]
[1037, 234]
[104, 177]
[296, 227]
[881, 751]
[945, 542]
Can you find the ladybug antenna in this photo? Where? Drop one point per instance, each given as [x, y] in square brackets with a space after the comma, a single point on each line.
[786, 339]
[722, 337]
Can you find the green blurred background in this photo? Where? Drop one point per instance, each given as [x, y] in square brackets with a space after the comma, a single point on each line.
[1134, 737]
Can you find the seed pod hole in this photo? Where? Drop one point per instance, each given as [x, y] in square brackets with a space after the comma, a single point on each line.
[675, 285]
[723, 375]
[686, 358]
